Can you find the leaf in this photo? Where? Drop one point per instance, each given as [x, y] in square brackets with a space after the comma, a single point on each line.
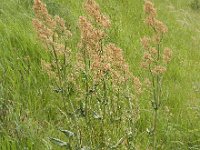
[67, 133]
[59, 142]
[96, 116]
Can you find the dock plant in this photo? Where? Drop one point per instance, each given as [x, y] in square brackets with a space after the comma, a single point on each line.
[155, 61]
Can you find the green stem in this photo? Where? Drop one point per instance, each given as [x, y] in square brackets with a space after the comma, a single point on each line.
[59, 72]
[86, 85]
[155, 129]
[76, 122]
[87, 95]
[57, 65]
[155, 109]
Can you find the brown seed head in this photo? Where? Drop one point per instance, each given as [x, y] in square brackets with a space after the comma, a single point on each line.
[156, 38]
[42, 14]
[145, 41]
[157, 70]
[153, 51]
[167, 55]
[119, 67]
[144, 65]
[61, 28]
[150, 21]
[148, 58]
[147, 83]
[93, 9]
[105, 22]
[149, 8]
[88, 33]
[43, 32]
[137, 85]
[160, 27]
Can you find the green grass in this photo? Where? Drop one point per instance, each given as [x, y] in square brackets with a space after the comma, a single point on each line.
[29, 109]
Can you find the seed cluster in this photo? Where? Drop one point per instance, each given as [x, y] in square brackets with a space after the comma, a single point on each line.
[152, 45]
[105, 89]
[103, 58]
[54, 35]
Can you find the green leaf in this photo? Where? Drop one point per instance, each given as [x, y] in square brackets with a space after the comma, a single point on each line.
[59, 142]
[67, 133]
[97, 116]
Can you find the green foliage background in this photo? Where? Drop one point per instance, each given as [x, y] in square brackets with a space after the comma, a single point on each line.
[29, 109]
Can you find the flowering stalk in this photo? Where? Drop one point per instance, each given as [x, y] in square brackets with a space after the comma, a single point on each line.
[92, 35]
[54, 35]
[153, 62]
[103, 66]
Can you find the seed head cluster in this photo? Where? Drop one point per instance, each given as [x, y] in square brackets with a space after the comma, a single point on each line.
[90, 36]
[101, 78]
[152, 56]
[103, 58]
[119, 68]
[93, 9]
[137, 85]
[52, 32]
[151, 19]
[157, 70]
[167, 55]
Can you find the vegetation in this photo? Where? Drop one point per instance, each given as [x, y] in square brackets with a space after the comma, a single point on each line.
[66, 84]
[195, 4]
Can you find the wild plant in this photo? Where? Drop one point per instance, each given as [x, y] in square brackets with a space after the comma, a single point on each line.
[155, 61]
[68, 134]
[105, 93]
[54, 35]
[105, 73]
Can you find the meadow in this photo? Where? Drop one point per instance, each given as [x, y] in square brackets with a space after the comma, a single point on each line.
[68, 111]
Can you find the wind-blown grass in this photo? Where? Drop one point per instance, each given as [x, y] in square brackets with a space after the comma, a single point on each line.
[30, 110]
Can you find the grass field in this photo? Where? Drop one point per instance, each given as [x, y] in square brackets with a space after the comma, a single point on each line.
[31, 112]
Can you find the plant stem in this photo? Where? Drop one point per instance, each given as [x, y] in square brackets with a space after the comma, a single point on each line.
[59, 73]
[155, 129]
[57, 66]
[155, 108]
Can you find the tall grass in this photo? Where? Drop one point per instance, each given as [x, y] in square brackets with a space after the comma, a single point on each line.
[32, 102]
